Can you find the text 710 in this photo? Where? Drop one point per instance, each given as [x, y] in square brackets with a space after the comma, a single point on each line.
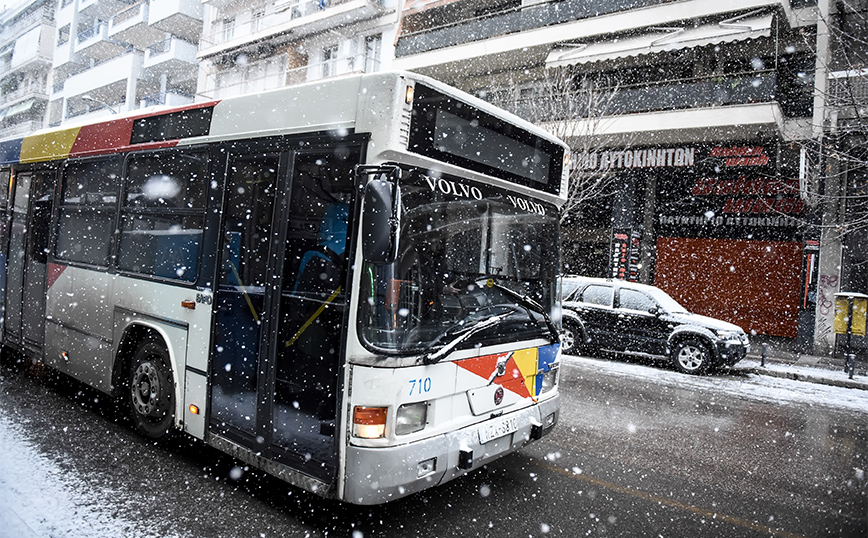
[420, 386]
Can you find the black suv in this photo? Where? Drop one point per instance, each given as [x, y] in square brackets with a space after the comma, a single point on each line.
[635, 319]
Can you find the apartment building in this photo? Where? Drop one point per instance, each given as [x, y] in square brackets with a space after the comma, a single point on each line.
[703, 116]
[112, 56]
[255, 45]
[26, 47]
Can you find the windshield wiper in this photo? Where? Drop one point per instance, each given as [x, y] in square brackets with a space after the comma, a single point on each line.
[467, 331]
[530, 305]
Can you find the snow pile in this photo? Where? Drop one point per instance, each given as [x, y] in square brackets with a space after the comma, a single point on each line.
[38, 498]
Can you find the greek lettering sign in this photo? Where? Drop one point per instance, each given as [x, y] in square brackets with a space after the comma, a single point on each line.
[718, 190]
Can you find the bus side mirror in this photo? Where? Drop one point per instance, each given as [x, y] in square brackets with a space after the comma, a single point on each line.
[380, 221]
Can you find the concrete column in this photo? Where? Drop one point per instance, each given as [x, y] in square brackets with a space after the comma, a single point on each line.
[832, 209]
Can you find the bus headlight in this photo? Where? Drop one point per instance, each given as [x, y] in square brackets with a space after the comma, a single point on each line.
[550, 378]
[369, 422]
[411, 418]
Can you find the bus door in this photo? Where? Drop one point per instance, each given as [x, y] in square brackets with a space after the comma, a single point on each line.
[27, 258]
[280, 303]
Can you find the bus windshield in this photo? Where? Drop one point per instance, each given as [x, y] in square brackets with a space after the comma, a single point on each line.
[474, 264]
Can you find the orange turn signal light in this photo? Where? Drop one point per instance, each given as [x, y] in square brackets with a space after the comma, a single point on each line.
[369, 422]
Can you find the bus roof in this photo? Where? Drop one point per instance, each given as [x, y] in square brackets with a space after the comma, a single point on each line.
[270, 112]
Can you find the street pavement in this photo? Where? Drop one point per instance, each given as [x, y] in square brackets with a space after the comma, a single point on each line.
[766, 360]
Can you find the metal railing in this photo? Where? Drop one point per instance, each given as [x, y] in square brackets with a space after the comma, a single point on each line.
[299, 10]
[12, 31]
[160, 98]
[84, 68]
[91, 32]
[721, 90]
[513, 20]
[74, 112]
[129, 13]
[291, 77]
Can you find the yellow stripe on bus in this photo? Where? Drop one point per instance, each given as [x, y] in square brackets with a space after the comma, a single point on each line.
[48, 146]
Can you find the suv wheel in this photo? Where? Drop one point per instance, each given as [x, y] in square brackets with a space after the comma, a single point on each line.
[571, 336]
[691, 356]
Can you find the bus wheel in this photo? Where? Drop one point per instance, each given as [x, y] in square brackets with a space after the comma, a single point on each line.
[151, 390]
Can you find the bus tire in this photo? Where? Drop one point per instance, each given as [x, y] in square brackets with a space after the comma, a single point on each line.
[151, 389]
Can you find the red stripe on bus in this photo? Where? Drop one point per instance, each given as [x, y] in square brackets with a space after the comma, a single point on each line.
[54, 272]
[114, 135]
[102, 137]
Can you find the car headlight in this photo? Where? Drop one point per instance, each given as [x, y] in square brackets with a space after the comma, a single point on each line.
[729, 335]
[411, 418]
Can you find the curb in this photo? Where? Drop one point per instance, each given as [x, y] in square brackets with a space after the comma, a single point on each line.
[810, 378]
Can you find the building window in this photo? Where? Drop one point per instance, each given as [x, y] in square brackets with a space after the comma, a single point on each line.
[228, 28]
[373, 46]
[329, 61]
[63, 35]
[257, 19]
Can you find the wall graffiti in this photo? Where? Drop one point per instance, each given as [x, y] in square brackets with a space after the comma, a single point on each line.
[826, 310]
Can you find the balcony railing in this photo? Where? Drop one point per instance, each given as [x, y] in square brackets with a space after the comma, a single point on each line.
[849, 90]
[160, 47]
[91, 32]
[86, 108]
[510, 21]
[514, 20]
[757, 87]
[129, 13]
[299, 10]
[166, 97]
[84, 68]
[297, 75]
[12, 31]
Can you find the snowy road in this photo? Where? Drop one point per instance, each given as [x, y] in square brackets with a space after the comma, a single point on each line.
[639, 452]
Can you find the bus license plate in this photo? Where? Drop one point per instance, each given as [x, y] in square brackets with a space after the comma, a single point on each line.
[493, 430]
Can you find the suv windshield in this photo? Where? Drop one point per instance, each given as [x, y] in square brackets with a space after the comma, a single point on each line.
[466, 251]
[667, 303]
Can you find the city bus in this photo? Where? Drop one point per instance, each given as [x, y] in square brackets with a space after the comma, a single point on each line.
[350, 284]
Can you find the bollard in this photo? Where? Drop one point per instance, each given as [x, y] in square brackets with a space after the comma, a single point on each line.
[765, 352]
[851, 364]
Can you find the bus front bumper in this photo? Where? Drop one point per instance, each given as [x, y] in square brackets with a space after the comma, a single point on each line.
[378, 475]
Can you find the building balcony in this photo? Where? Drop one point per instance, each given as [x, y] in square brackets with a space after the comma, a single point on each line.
[32, 64]
[167, 98]
[23, 93]
[96, 44]
[112, 73]
[698, 93]
[173, 56]
[11, 32]
[428, 40]
[102, 9]
[848, 93]
[131, 26]
[182, 18]
[297, 21]
[14, 130]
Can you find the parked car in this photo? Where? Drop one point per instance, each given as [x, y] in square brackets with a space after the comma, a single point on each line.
[601, 315]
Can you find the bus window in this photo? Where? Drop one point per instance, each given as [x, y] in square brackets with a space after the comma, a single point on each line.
[162, 214]
[87, 211]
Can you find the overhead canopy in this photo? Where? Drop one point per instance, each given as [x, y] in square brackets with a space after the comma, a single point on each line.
[653, 40]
